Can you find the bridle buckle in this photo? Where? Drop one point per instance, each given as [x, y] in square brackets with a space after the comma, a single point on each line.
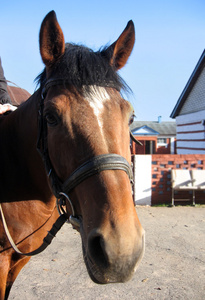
[60, 203]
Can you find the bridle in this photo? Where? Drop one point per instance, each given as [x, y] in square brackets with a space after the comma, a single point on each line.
[89, 168]
[61, 189]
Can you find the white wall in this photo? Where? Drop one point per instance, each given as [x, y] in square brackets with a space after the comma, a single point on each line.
[142, 179]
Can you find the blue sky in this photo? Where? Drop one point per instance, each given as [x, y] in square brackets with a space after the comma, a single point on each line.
[170, 38]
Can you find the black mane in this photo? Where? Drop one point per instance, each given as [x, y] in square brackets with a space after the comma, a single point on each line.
[81, 66]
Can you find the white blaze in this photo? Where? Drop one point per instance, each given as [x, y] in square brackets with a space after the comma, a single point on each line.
[96, 98]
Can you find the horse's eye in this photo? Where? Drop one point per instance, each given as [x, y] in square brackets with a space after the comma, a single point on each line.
[131, 120]
[51, 119]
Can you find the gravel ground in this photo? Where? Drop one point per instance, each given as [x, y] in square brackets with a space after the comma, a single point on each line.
[173, 266]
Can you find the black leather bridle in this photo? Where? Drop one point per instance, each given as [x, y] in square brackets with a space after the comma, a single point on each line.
[89, 168]
[61, 189]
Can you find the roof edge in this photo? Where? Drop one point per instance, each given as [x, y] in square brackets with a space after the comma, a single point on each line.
[152, 131]
[188, 87]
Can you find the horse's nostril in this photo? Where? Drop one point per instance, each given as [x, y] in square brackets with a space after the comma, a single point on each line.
[97, 253]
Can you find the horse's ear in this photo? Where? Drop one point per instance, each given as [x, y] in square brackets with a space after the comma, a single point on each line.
[51, 39]
[120, 50]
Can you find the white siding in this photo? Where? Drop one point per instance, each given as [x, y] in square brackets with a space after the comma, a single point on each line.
[190, 144]
[191, 117]
[191, 136]
[191, 133]
[190, 127]
[188, 151]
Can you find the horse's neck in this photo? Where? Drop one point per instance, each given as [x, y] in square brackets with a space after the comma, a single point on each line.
[22, 173]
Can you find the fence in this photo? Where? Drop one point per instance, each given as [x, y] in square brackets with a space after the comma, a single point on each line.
[152, 175]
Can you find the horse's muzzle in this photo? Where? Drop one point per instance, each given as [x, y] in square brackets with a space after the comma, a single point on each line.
[109, 262]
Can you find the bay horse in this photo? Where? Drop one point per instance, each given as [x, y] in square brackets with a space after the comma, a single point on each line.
[70, 140]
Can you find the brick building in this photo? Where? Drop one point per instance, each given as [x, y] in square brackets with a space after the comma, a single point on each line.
[157, 137]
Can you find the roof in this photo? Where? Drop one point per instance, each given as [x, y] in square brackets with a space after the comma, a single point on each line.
[145, 130]
[192, 80]
[161, 128]
[17, 95]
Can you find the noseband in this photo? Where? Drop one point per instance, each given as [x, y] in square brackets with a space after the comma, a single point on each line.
[89, 168]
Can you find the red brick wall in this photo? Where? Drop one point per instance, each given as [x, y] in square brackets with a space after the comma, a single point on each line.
[161, 176]
[163, 149]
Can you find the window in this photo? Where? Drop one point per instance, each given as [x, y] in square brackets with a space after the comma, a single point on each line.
[162, 142]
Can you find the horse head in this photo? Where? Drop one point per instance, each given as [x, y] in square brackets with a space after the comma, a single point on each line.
[87, 129]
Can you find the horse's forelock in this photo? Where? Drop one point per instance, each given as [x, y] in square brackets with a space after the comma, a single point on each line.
[81, 66]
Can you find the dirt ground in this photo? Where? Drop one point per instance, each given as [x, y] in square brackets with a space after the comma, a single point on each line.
[173, 266]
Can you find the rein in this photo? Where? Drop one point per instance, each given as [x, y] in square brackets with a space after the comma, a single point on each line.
[60, 189]
[46, 241]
